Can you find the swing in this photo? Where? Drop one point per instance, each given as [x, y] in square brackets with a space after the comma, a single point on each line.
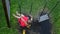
[44, 20]
[23, 30]
[41, 16]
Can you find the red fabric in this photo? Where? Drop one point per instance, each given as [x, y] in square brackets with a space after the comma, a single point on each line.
[21, 22]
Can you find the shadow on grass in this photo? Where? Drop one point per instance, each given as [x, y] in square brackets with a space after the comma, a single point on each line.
[42, 27]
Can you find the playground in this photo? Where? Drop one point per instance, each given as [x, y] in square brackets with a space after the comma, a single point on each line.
[33, 7]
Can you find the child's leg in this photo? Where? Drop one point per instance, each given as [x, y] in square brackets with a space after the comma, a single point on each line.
[24, 31]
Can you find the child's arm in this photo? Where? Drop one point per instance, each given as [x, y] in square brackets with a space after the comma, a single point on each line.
[28, 26]
[17, 13]
[24, 21]
[31, 17]
[16, 16]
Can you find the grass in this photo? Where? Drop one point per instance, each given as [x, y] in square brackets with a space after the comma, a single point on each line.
[37, 5]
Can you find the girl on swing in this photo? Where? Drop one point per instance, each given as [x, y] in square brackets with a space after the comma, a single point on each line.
[23, 19]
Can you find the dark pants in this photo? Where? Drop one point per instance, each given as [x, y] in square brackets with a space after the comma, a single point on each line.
[45, 27]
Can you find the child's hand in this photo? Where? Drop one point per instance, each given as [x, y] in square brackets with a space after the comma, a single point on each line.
[16, 16]
[13, 14]
[18, 13]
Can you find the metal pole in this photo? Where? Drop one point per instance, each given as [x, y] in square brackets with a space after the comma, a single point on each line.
[7, 11]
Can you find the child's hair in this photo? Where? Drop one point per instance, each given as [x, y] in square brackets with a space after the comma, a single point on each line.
[29, 17]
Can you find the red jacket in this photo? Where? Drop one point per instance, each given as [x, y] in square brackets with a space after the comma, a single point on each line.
[21, 22]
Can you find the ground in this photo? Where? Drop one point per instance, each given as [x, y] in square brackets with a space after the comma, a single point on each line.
[37, 6]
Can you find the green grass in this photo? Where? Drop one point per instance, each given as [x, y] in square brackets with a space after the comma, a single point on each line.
[37, 5]
[3, 24]
[2, 16]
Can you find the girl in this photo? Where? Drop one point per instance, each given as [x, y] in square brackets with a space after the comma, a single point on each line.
[23, 19]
